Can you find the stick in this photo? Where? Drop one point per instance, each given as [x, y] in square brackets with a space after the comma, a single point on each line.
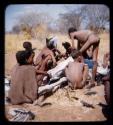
[48, 88]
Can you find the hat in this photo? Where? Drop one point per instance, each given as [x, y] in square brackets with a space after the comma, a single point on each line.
[53, 41]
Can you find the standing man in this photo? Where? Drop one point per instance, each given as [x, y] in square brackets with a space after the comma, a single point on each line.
[86, 38]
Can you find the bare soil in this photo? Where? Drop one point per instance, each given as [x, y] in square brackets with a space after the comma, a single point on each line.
[63, 108]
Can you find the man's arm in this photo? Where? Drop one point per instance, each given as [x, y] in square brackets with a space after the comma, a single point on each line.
[53, 59]
[57, 50]
[72, 37]
[41, 72]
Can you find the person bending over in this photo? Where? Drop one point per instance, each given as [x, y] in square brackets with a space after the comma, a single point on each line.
[86, 38]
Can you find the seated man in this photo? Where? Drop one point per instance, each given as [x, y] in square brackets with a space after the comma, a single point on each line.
[41, 70]
[103, 68]
[45, 52]
[77, 72]
[53, 43]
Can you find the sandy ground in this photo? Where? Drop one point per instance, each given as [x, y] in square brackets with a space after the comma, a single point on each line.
[63, 108]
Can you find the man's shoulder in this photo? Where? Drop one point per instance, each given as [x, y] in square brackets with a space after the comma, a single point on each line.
[27, 67]
[85, 30]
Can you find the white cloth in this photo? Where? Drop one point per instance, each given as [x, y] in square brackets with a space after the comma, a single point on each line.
[103, 71]
[61, 66]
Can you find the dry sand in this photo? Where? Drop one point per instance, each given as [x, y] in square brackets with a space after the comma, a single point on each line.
[63, 108]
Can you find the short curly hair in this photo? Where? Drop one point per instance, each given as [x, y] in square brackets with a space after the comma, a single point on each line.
[27, 45]
[71, 29]
[66, 45]
[75, 54]
[21, 56]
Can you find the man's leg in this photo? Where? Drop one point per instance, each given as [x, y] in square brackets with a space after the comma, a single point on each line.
[94, 70]
[107, 91]
[95, 55]
[85, 74]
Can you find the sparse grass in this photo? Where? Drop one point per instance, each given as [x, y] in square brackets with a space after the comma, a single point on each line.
[14, 42]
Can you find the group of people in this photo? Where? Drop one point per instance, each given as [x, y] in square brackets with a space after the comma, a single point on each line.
[28, 74]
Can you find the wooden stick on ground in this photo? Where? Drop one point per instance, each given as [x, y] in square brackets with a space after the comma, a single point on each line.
[48, 88]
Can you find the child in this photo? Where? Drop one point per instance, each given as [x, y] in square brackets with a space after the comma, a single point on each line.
[77, 72]
[86, 38]
[68, 49]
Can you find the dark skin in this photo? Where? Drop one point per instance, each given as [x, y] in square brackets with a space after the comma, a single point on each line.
[67, 46]
[39, 70]
[89, 53]
[106, 59]
[106, 81]
[106, 78]
[57, 54]
[77, 73]
[45, 52]
[87, 38]
[68, 52]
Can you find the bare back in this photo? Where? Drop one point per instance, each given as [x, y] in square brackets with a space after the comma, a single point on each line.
[82, 35]
[74, 72]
